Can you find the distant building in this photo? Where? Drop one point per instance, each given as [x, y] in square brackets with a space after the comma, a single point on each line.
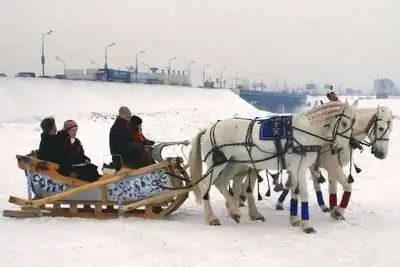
[384, 87]
[311, 86]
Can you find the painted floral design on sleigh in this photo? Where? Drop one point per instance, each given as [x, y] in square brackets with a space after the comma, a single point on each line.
[139, 186]
[42, 185]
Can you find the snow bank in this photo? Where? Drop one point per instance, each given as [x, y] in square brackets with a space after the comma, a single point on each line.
[25, 99]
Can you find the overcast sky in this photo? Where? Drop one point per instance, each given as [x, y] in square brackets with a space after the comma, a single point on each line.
[347, 42]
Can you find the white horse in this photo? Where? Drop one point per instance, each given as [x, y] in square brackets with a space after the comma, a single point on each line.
[234, 146]
[374, 123]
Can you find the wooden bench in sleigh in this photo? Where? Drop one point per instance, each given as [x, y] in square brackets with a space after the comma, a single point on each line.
[129, 192]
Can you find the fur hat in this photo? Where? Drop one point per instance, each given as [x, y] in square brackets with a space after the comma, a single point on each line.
[47, 124]
[124, 113]
[69, 124]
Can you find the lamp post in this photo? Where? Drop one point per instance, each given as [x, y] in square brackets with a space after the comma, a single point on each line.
[220, 77]
[169, 69]
[136, 67]
[43, 60]
[63, 62]
[204, 73]
[106, 55]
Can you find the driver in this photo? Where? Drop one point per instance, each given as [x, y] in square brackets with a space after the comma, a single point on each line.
[332, 96]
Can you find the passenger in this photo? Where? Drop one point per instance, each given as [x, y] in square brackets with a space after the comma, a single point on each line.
[122, 144]
[332, 96]
[80, 164]
[51, 146]
[136, 123]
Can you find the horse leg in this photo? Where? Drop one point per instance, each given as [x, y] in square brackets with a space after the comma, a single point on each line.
[303, 193]
[319, 195]
[254, 214]
[205, 187]
[294, 201]
[337, 212]
[231, 203]
[237, 189]
[283, 195]
[332, 192]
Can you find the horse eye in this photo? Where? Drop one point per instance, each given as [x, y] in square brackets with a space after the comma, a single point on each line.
[344, 124]
[381, 129]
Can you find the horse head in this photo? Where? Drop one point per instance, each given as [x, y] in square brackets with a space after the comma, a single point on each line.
[378, 130]
[341, 127]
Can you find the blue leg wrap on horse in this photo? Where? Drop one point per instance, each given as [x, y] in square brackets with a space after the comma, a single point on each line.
[283, 195]
[320, 198]
[305, 216]
[293, 207]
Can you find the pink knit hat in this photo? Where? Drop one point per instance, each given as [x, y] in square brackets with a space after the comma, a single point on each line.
[69, 124]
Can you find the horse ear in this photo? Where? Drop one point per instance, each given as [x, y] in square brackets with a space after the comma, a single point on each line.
[346, 104]
[355, 104]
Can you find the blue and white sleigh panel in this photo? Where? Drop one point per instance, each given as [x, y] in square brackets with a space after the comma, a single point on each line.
[131, 188]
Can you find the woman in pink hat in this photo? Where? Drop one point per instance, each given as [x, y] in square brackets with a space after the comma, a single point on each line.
[76, 154]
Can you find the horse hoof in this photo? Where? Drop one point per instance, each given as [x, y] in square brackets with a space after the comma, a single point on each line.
[279, 207]
[325, 209]
[336, 215]
[258, 218]
[296, 223]
[215, 222]
[309, 230]
[236, 218]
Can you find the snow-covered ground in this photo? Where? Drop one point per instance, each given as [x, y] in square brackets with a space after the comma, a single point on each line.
[366, 238]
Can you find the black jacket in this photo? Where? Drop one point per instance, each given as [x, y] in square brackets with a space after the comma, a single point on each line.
[53, 149]
[122, 143]
[75, 151]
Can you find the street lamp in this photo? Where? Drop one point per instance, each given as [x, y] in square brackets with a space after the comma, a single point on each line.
[62, 61]
[106, 55]
[148, 68]
[136, 67]
[169, 68]
[43, 60]
[220, 77]
[204, 73]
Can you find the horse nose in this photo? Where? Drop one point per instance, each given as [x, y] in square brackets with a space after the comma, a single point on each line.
[379, 154]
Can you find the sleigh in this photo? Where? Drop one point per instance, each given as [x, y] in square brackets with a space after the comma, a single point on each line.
[144, 192]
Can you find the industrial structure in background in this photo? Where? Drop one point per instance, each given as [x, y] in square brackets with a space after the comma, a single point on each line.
[385, 87]
[153, 76]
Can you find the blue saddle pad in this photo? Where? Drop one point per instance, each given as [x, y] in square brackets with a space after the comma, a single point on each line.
[277, 127]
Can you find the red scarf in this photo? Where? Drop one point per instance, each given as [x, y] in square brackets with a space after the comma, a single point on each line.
[139, 136]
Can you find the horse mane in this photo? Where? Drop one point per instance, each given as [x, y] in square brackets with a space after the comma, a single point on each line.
[325, 112]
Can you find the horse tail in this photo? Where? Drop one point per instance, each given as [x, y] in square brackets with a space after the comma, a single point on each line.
[196, 165]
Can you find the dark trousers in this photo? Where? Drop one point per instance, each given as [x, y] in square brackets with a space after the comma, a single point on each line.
[86, 172]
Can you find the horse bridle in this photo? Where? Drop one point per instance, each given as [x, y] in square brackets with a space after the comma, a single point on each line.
[372, 127]
[335, 131]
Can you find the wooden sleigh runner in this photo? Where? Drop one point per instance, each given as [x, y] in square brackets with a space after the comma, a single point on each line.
[127, 193]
